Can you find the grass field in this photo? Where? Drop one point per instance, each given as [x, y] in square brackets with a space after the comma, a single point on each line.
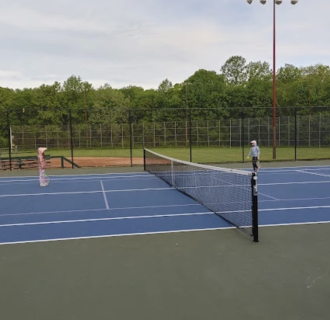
[199, 154]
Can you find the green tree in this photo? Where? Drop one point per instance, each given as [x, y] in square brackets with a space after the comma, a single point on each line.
[235, 70]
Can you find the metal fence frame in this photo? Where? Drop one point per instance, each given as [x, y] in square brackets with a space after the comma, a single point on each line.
[292, 130]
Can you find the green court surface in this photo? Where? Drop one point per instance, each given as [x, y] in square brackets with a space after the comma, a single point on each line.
[194, 275]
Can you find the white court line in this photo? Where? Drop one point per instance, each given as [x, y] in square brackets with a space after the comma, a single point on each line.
[295, 208]
[81, 192]
[104, 196]
[315, 174]
[294, 182]
[292, 168]
[155, 233]
[104, 174]
[143, 173]
[115, 235]
[265, 195]
[317, 169]
[85, 174]
[45, 194]
[144, 176]
[153, 189]
[152, 216]
[290, 172]
[105, 219]
[58, 178]
[294, 199]
[272, 173]
[97, 210]
[95, 179]
[293, 224]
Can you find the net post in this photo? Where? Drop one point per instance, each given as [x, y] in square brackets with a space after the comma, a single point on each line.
[254, 184]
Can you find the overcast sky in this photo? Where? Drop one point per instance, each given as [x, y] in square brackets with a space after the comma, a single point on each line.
[130, 42]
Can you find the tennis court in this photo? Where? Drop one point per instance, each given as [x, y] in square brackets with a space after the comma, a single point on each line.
[137, 248]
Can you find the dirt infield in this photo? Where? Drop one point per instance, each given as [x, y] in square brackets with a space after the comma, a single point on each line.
[85, 162]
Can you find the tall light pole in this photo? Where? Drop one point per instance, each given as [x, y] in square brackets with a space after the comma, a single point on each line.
[278, 2]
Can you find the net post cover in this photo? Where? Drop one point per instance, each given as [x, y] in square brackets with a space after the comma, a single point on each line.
[254, 184]
[231, 194]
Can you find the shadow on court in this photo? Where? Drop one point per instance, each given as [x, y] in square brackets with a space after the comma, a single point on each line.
[195, 275]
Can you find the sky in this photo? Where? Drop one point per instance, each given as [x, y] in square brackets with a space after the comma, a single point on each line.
[142, 43]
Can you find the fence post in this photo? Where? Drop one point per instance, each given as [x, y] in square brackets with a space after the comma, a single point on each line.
[259, 131]
[154, 134]
[208, 132]
[279, 132]
[90, 135]
[101, 135]
[190, 142]
[197, 133]
[230, 132]
[219, 132]
[249, 130]
[9, 140]
[175, 137]
[289, 142]
[295, 134]
[243, 135]
[268, 142]
[309, 130]
[122, 136]
[130, 136]
[71, 138]
[320, 128]
[143, 137]
[111, 140]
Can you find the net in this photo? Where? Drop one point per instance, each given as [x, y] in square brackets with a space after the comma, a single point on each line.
[231, 194]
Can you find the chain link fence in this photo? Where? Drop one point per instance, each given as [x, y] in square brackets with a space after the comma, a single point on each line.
[311, 131]
[178, 130]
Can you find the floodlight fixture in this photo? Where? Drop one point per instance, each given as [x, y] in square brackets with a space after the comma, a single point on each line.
[276, 1]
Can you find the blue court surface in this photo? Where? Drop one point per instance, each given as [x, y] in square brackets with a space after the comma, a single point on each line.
[90, 206]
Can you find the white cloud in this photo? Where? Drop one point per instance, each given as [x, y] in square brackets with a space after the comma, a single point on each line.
[124, 42]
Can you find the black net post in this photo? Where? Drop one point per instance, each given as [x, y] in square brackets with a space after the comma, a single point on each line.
[9, 140]
[71, 137]
[130, 137]
[255, 223]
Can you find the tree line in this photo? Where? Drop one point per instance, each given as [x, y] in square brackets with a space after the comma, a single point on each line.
[238, 87]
